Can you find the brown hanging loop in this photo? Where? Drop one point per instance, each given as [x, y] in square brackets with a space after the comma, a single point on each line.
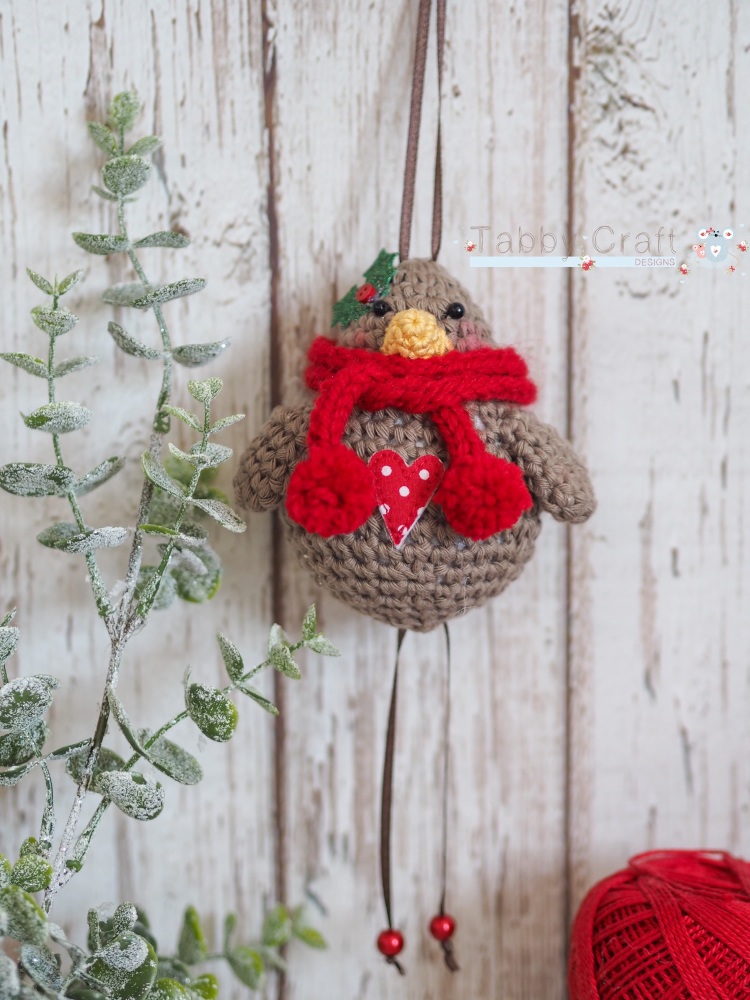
[412, 144]
[447, 944]
[387, 799]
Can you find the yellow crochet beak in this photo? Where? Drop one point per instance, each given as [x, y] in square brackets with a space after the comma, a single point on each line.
[415, 333]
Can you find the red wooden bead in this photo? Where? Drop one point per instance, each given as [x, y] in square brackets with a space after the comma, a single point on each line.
[390, 942]
[442, 927]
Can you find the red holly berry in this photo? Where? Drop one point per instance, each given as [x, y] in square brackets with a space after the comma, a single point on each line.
[390, 942]
[442, 927]
[366, 293]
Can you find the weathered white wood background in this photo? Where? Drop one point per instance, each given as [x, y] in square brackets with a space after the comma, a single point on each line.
[600, 706]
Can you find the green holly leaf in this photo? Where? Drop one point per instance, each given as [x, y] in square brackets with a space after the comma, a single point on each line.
[348, 310]
[380, 273]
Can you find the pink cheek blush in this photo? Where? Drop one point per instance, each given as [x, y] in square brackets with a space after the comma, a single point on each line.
[469, 339]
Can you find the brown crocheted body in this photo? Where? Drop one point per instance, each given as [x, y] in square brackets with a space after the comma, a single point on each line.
[437, 575]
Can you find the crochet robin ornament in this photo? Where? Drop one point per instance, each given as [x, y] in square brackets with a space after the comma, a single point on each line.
[413, 486]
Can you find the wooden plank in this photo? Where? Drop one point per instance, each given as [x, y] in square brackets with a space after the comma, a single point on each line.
[198, 68]
[341, 111]
[660, 648]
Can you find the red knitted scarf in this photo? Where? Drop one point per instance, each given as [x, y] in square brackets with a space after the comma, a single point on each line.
[331, 491]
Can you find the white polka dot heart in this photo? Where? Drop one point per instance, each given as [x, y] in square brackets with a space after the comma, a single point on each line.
[403, 491]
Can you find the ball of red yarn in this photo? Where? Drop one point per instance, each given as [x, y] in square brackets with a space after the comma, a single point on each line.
[673, 925]
[331, 492]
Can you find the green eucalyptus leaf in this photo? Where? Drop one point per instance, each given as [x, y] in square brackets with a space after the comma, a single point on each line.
[310, 937]
[258, 697]
[104, 471]
[175, 290]
[230, 923]
[198, 587]
[159, 476]
[206, 986]
[124, 110]
[5, 870]
[102, 193]
[310, 623]
[171, 759]
[74, 365]
[23, 702]
[125, 294]
[247, 965]
[126, 968]
[271, 957]
[25, 920]
[125, 174]
[107, 761]
[42, 966]
[103, 137]
[13, 775]
[28, 479]
[185, 559]
[58, 418]
[194, 355]
[68, 281]
[9, 636]
[192, 947]
[95, 935]
[210, 456]
[101, 243]
[277, 927]
[123, 919]
[172, 968]
[18, 747]
[34, 366]
[134, 794]
[220, 512]
[232, 658]
[206, 390]
[62, 753]
[324, 647]
[129, 344]
[68, 538]
[183, 415]
[31, 873]
[53, 321]
[10, 985]
[41, 283]
[169, 989]
[211, 711]
[165, 238]
[221, 425]
[145, 146]
[280, 658]
[166, 593]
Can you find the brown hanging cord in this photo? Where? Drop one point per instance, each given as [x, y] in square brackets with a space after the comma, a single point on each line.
[447, 945]
[387, 799]
[412, 144]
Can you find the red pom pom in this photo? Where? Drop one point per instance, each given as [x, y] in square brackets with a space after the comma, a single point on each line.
[482, 495]
[365, 293]
[442, 927]
[674, 924]
[390, 943]
[331, 492]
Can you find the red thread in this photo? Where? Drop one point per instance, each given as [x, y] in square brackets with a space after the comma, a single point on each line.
[674, 925]
[481, 493]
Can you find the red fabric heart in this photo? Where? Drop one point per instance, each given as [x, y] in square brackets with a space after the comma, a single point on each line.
[403, 491]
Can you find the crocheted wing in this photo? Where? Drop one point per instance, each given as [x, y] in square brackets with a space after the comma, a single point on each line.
[265, 468]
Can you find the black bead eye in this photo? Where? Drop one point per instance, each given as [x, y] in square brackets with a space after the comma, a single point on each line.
[456, 310]
[381, 307]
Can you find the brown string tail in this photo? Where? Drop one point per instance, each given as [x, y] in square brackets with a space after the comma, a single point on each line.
[412, 144]
[447, 945]
[387, 799]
